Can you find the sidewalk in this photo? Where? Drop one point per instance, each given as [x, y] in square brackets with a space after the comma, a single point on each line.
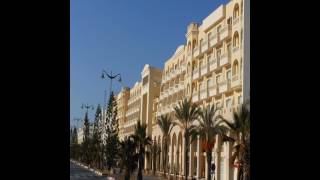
[84, 166]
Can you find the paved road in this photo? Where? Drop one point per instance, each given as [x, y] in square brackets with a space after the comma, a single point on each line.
[79, 173]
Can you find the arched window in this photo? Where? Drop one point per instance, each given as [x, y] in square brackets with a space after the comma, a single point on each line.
[235, 68]
[241, 65]
[188, 88]
[236, 11]
[241, 7]
[241, 37]
[236, 39]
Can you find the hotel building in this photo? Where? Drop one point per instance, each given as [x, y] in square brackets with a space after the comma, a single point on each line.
[212, 67]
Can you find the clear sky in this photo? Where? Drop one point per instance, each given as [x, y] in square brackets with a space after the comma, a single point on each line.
[123, 35]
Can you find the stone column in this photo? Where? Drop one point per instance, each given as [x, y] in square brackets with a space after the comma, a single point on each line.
[177, 150]
[161, 157]
[191, 161]
[198, 157]
[182, 150]
[206, 166]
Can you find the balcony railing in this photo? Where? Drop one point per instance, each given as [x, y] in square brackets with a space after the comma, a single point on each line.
[204, 46]
[212, 90]
[196, 51]
[171, 90]
[235, 21]
[225, 59]
[203, 93]
[195, 73]
[176, 88]
[213, 64]
[236, 81]
[181, 85]
[204, 69]
[213, 40]
[235, 49]
[224, 86]
[225, 31]
[195, 97]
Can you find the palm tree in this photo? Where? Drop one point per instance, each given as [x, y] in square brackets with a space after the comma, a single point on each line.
[186, 112]
[166, 124]
[142, 140]
[128, 157]
[209, 127]
[240, 129]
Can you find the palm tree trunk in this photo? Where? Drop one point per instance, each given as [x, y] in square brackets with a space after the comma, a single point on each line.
[209, 159]
[185, 158]
[139, 177]
[164, 164]
[240, 176]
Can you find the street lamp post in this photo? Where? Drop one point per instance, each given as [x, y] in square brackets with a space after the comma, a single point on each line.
[87, 106]
[110, 76]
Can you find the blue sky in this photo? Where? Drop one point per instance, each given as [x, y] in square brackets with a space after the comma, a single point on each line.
[123, 35]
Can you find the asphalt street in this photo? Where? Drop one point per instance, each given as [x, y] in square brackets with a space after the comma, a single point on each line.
[78, 172]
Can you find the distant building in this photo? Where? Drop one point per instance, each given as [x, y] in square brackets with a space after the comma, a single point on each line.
[81, 134]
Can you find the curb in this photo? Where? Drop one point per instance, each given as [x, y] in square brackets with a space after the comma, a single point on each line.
[86, 167]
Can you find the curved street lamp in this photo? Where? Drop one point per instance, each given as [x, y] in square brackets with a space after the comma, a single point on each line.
[110, 76]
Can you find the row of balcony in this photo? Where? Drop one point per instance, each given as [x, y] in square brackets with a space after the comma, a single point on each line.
[174, 73]
[215, 89]
[172, 90]
[213, 64]
[167, 109]
[131, 122]
[132, 111]
[210, 42]
[133, 99]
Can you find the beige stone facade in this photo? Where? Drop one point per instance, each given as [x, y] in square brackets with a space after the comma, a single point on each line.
[210, 68]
